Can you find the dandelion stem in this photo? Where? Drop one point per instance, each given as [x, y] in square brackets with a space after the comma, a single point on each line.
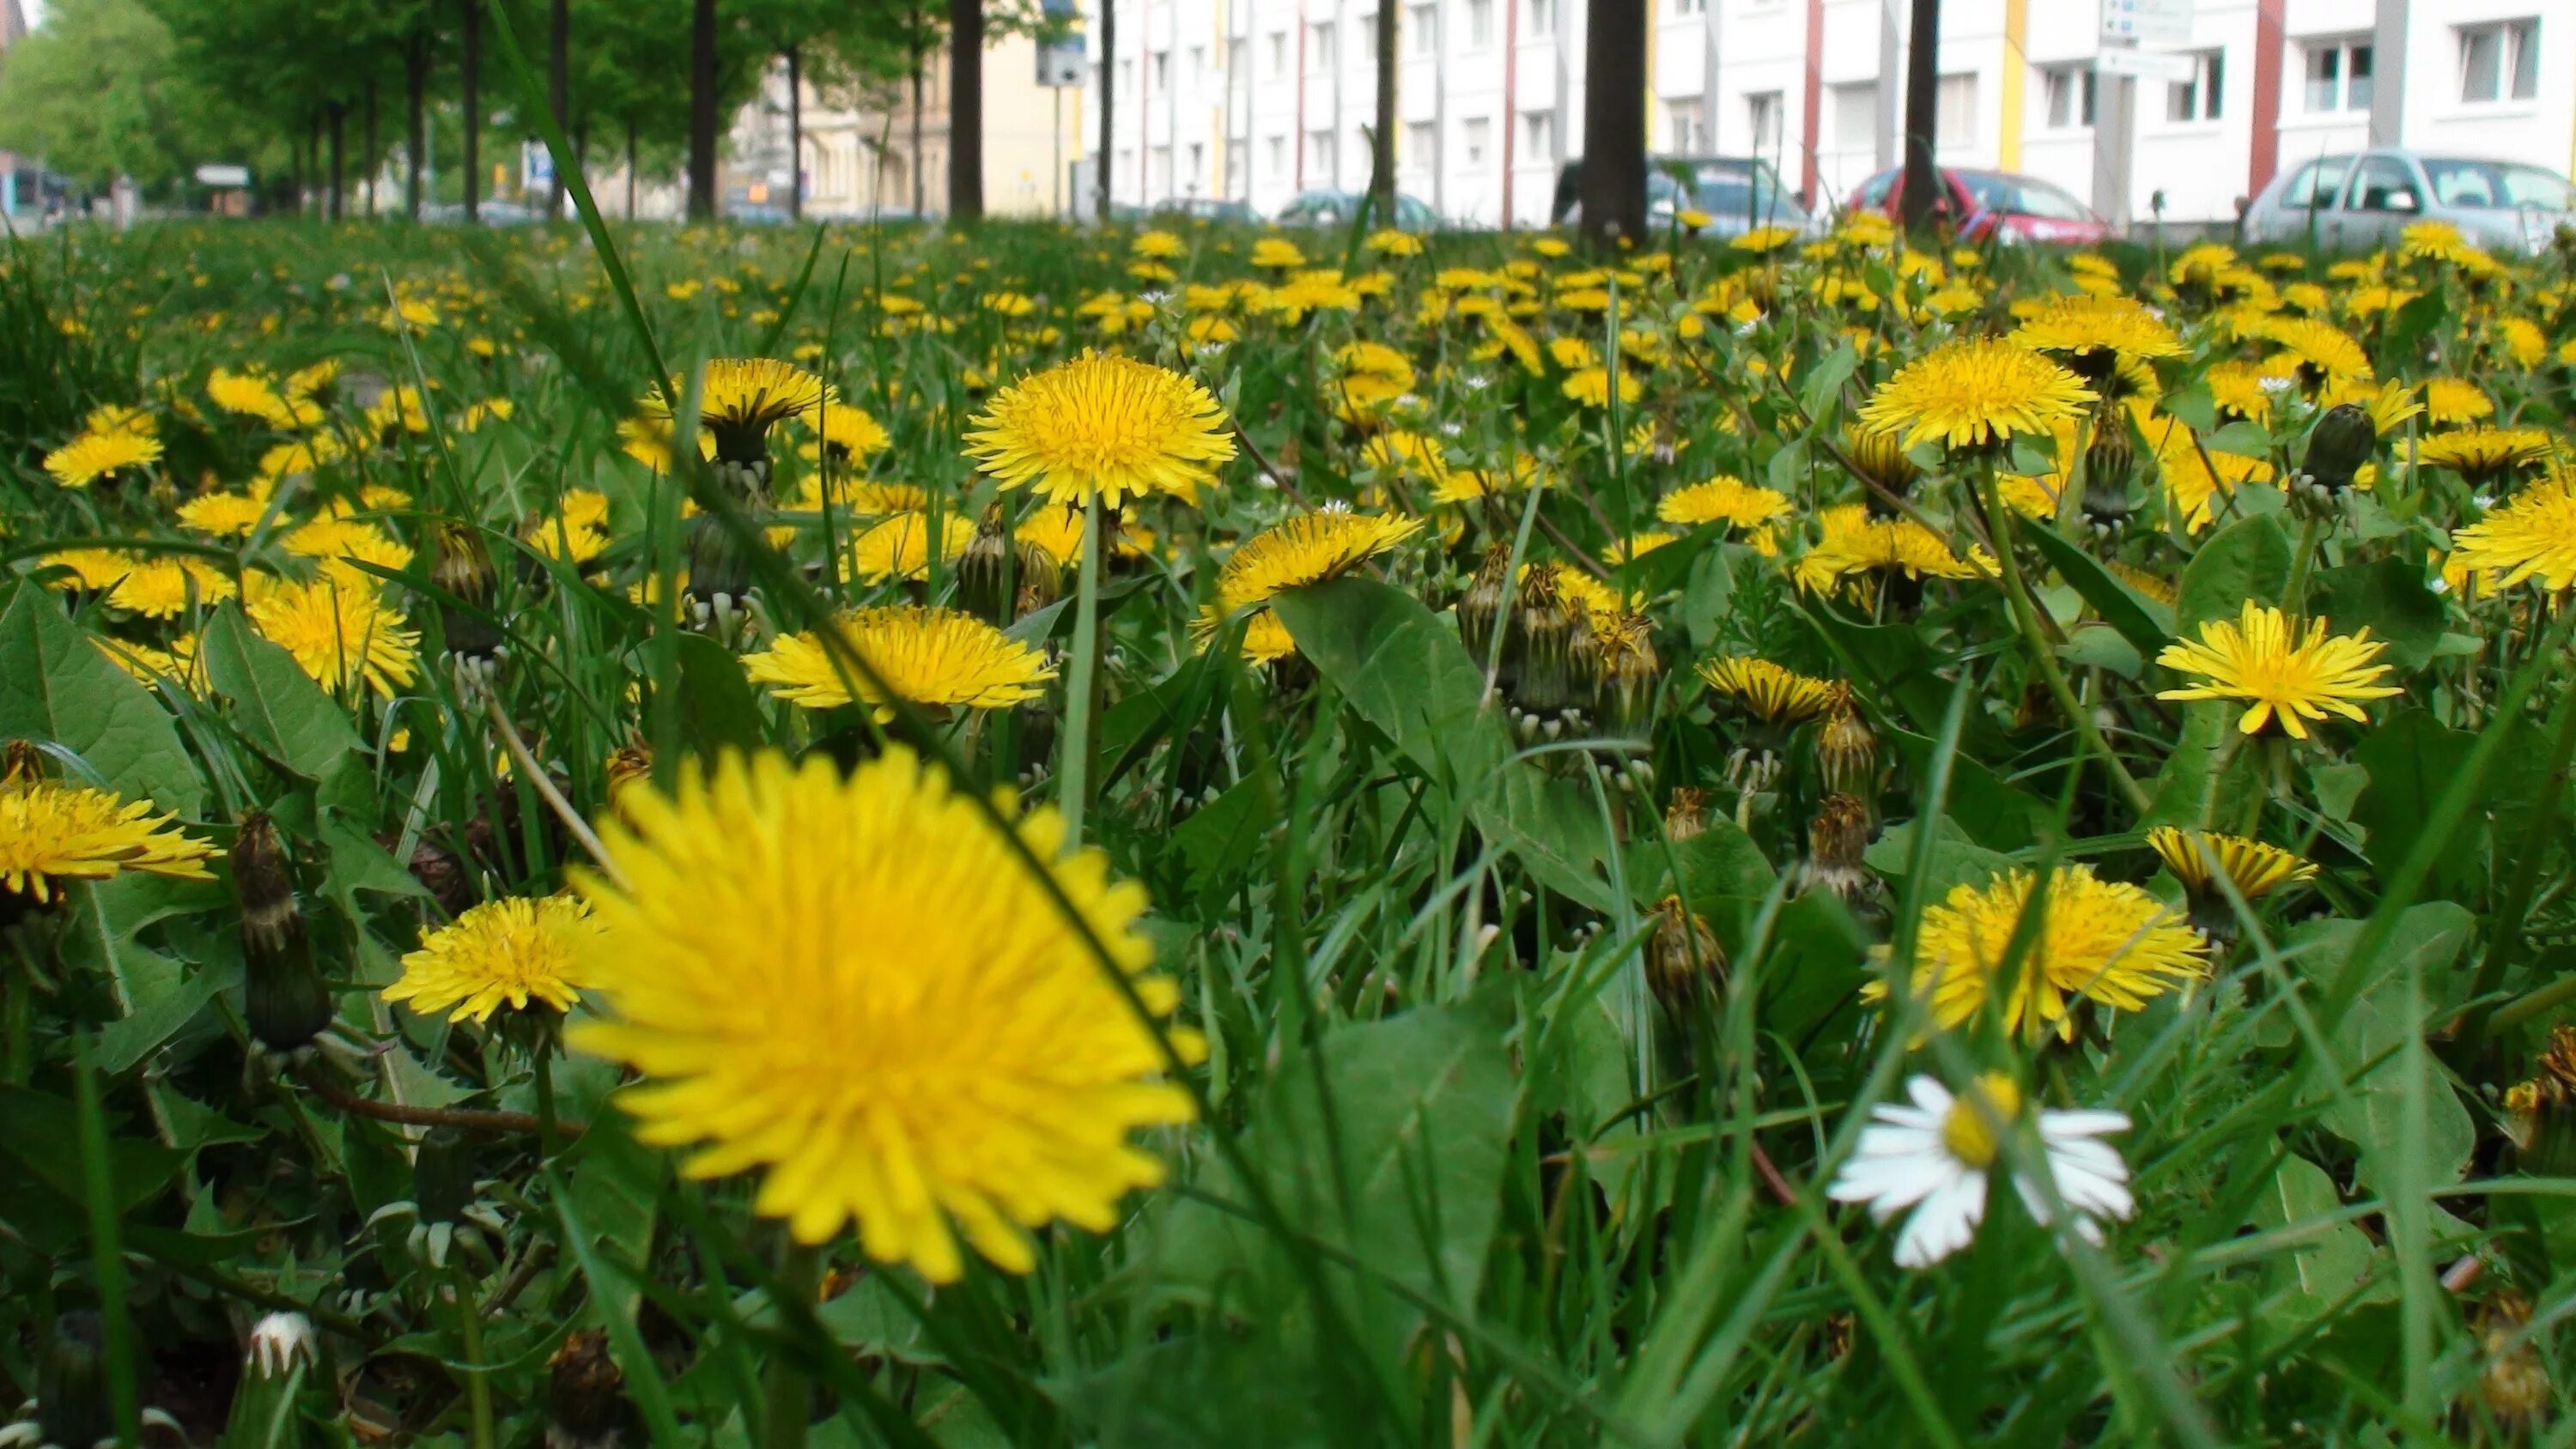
[1073, 791]
[469, 1339]
[545, 788]
[786, 1395]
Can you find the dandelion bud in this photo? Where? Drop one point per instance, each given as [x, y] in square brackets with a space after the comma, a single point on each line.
[586, 1404]
[2540, 1114]
[1835, 840]
[1686, 815]
[462, 566]
[284, 1001]
[1846, 751]
[1480, 608]
[2343, 440]
[984, 584]
[442, 1177]
[72, 1405]
[629, 765]
[278, 1343]
[1683, 962]
[1879, 457]
[717, 564]
[2515, 1381]
[1543, 630]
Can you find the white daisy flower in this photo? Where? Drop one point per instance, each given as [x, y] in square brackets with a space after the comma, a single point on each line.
[1934, 1157]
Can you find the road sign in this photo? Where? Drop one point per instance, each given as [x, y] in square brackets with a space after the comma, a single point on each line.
[2146, 65]
[223, 176]
[1062, 62]
[2147, 22]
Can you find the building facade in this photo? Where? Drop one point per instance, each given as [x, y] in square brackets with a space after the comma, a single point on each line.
[886, 150]
[1257, 100]
[19, 181]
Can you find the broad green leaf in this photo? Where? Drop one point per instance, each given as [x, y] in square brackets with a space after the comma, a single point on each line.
[2141, 620]
[717, 710]
[60, 686]
[2248, 559]
[2322, 1268]
[275, 704]
[2368, 1114]
[2388, 597]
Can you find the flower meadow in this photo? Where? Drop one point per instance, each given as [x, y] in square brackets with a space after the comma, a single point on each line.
[1206, 836]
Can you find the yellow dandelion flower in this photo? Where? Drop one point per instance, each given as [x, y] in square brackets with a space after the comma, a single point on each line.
[2256, 869]
[899, 546]
[339, 630]
[2119, 325]
[2484, 454]
[1273, 251]
[1305, 549]
[1102, 424]
[2532, 536]
[1723, 499]
[93, 456]
[1969, 394]
[2238, 388]
[2435, 241]
[1766, 690]
[1590, 386]
[253, 394]
[939, 658]
[1393, 243]
[742, 398]
[163, 586]
[1764, 240]
[2452, 401]
[507, 952]
[2318, 347]
[2264, 659]
[51, 832]
[2102, 941]
[856, 985]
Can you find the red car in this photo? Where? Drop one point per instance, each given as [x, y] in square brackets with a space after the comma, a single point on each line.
[1999, 204]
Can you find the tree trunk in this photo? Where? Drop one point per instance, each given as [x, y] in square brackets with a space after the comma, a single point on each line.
[1614, 122]
[919, 60]
[630, 168]
[1923, 188]
[1382, 151]
[1109, 102]
[702, 112]
[559, 95]
[339, 156]
[795, 133]
[471, 63]
[415, 122]
[966, 109]
[367, 153]
[309, 193]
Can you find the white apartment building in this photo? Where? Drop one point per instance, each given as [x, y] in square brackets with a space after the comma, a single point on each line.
[1261, 99]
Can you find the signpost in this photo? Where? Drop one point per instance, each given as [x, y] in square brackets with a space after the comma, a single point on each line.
[2146, 22]
[223, 176]
[2136, 34]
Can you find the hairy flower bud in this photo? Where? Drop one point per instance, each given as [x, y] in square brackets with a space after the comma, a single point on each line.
[2342, 441]
[460, 565]
[1683, 962]
[1846, 751]
[586, 1404]
[284, 1001]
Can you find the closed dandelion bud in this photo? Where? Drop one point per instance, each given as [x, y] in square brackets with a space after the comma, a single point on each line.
[1846, 751]
[1686, 815]
[442, 1177]
[1480, 608]
[1879, 457]
[284, 1001]
[462, 566]
[1683, 962]
[2540, 1114]
[984, 582]
[1041, 581]
[629, 767]
[1835, 840]
[1543, 631]
[2515, 1381]
[279, 1343]
[717, 564]
[2343, 440]
[72, 1405]
[586, 1404]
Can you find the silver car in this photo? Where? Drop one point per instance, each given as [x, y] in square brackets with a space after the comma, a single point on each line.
[2360, 202]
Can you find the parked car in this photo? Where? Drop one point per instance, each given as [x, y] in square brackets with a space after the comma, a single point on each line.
[2363, 201]
[1336, 208]
[1736, 193]
[1995, 204]
[1206, 208]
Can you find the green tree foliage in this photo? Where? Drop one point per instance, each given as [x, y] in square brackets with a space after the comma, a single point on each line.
[98, 93]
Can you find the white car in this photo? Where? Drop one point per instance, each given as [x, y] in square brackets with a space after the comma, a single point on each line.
[2360, 202]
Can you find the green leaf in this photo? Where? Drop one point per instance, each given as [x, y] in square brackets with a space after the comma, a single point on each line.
[2322, 1266]
[717, 710]
[2248, 559]
[1721, 871]
[1956, 859]
[41, 1135]
[1218, 840]
[2371, 1112]
[2411, 758]
[2141, 620]
[1390, 1148]
[275, 704]
[62, 688]
[2099, 646]
[1824, 382]
[2388, 597]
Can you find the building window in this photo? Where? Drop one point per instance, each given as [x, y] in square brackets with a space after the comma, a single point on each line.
[1684, 9]
[1420, 137]
[1763, 110]
[1238, 160]
[1198, 62]
[1426, 29]
[1538, 135]
[1162, 70]
[1475, 137]
[1319, 152]
[2338, 75]
[1319, 48]
[1234, 62]
[2071, 92]
[1541, 15]
[1127, 77]
[1198, 165]
[1856, 116]
[1159, 177]
[2500, 62]
[2197, 99]
[1480, 24]
[1957, 121]
[1686, 126]
[1279, 52]
[1278, 153]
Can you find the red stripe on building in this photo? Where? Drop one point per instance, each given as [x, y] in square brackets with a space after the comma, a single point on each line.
[2268, 44]
[1812, 109]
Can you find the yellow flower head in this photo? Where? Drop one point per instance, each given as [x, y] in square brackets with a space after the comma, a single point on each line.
[2256, 869]
[855, 984]
[52, 832]
[2482, 455]
[935, 657]
[742, 398]
[1763, 240]
[2451, 402]
[1393, 243]
[511, 952]
[1723, 499]
[898, 546]
[2263, 659]
[253, 394]
[339, 629]
[2119, 325]
[1767, 690]
[2318, 347]
[92, 456]
[2096, 940]
[2531, 536]
[1307, 549]
[1276, 251]
[1102, 424]
[1966, 395]
[848, 433]
[162, 586]
[1590, 386]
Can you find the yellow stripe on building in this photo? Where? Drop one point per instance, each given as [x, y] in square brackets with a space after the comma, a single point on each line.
[2015, 71]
